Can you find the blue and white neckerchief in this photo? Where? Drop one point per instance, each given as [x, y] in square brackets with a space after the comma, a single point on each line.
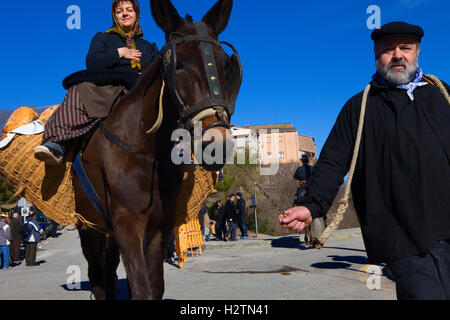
[409, 87]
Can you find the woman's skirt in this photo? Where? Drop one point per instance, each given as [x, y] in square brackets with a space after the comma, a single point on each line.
[83, 108]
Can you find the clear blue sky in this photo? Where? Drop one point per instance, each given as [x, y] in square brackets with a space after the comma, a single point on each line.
[302, 59]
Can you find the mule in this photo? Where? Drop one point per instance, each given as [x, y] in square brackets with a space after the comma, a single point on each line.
[130, 167]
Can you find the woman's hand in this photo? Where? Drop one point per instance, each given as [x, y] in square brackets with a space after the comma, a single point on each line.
[131, 54]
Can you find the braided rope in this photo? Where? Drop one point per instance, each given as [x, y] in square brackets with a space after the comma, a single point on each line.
[440, 85]
[343, 203]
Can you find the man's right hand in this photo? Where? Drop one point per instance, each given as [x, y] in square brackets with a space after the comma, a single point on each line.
[296, 218]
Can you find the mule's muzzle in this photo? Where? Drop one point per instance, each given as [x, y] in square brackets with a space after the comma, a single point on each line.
[217, 148]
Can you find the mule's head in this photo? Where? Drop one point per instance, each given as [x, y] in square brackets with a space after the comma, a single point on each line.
[202, 78]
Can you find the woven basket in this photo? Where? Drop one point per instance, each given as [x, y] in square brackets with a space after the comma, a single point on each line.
[50, 188]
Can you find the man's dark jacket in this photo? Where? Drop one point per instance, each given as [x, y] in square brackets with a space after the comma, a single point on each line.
[402, 178]
[230, 211]
[104, 65]
[240, 206]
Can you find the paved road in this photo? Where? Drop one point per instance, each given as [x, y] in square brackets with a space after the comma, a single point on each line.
[255, 269]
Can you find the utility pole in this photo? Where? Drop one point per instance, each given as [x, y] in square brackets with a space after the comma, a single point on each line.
[253, 205]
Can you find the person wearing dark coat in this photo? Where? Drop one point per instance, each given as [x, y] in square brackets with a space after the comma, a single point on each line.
[304, 171]
[32, 236]
[221, 222]
[315, 229]
[230, 213]
[302, 174]
[240, 212]
[16, 237]
[402, 177]
[115, 62]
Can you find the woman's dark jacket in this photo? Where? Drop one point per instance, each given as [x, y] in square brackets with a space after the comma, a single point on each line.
[105, 67]
[402, 178]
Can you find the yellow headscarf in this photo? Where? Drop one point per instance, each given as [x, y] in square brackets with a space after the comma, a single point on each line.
[129, 37]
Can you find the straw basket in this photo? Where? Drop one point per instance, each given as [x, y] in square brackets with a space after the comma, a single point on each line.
[50, 188]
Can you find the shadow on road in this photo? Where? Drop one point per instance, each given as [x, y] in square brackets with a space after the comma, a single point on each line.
[122, 293]
[351, 259]
[289, 242]
[346, 262]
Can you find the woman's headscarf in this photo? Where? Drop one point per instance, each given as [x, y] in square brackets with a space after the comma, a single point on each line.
[129, 37]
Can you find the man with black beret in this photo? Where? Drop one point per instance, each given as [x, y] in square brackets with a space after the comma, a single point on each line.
[402, 177]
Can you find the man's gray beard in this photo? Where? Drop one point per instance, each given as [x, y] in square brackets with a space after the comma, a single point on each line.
[398, 77]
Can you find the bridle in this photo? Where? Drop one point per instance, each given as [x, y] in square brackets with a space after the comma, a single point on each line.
[216, 105]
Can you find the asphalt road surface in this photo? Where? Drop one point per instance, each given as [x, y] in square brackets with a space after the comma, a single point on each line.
[267, 268]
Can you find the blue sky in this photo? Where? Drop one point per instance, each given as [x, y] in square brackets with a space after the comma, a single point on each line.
[302, 60]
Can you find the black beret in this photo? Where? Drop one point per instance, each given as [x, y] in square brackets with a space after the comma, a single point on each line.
[398, 29]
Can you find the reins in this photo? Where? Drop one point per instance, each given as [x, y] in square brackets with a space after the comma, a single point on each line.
[343, 203]
[159, 120]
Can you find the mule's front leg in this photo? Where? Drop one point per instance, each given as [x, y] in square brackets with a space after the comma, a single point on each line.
[93, 246]
[129, 232]
[154, 255]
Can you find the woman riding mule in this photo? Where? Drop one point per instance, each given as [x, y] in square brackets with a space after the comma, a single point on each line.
[131, 168]
[115, 61]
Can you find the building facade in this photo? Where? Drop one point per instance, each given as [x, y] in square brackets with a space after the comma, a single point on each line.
[275, 142]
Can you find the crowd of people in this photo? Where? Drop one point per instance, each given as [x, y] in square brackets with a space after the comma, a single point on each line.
[230, 216]
[13, 235]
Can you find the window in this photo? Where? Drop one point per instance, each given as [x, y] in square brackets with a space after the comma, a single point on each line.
[269, 139]
[281, 155]
[240, 150]
[269, 155]
[280, 139]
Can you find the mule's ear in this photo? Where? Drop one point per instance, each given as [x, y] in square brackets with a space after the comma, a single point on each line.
[165, 15]
[219, 15]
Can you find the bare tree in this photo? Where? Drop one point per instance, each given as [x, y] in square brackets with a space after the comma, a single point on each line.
[4, 116]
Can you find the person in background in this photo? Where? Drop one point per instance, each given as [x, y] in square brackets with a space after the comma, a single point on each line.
[5, 240]
[170, 250]
[32, 233]
[221, 222]
[230, 213]
[240, 210]
[313, 231]
[201, 218]
[16, 236]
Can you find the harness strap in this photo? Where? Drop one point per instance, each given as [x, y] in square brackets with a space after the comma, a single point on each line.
[122, 145]
[88, 188]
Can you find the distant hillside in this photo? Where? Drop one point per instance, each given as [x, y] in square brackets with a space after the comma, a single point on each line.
[274, 195]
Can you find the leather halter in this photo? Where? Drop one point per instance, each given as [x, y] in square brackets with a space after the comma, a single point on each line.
[215, 104]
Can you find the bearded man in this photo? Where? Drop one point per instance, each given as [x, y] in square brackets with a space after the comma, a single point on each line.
[402, 178]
